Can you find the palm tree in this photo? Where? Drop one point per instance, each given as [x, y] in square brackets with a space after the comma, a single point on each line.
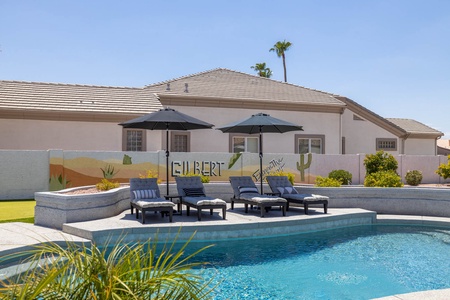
[262, 70]
[280, 48]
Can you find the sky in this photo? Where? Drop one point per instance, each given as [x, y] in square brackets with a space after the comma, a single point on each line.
[390, 56]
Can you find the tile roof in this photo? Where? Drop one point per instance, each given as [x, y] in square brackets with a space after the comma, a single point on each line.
[414, 127]
[228, 84]
[19, 95]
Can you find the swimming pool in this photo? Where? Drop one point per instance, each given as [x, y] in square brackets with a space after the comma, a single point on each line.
[360, 262]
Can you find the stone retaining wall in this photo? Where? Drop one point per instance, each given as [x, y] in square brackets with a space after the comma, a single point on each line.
[53, 209]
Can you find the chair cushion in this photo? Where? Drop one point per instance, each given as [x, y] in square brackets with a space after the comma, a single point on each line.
[287, 190]
[145, 194]
[258, 198]
[194, 192]
[204, 200]
[248, 189]
[156, 202]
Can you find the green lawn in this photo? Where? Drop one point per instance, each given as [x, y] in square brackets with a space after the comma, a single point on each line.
[17, 210]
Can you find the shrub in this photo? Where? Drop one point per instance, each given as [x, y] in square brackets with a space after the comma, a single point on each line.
[413, 177]
[345, 177]
[383, 179]
[150, 174]
[327, 182]
[204, 179]
[105, 185]
[444, 170]
[380, 161]
[115, 271]
[289, 175]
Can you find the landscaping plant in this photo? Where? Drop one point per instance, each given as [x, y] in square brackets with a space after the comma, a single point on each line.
[383, 179]
[413, 177]
[327, 182]
[380, 161]
[106, 185]
[204, 179]
[136, 271]
[381, 170]
[289, 175]
[345, 177]
[444, 170]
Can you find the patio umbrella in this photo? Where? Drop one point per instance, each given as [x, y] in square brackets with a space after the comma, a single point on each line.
[166, 119]
[260, 123]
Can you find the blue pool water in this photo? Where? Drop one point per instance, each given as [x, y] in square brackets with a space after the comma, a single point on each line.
[361, 262]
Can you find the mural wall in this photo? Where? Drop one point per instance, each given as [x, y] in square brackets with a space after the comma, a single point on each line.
[26, 172]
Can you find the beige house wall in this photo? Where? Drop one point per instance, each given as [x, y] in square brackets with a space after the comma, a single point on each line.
[420, 147]
[23, 134]
[314, 123]
[360, 135]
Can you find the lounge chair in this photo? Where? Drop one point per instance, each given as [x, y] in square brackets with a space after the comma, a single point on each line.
[192, 194]
[282, 186]
[245, 191]
[145, 196]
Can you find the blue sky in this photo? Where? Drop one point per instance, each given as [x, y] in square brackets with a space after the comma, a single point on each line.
[391, 56]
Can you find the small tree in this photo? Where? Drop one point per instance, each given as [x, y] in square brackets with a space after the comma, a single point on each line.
[444, 169]
[380, 161]
[381, 170]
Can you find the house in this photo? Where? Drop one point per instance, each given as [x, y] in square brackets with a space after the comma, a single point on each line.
[443, 147]
[40, 116]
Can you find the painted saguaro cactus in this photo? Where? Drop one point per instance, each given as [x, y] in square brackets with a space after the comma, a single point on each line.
[302, 166]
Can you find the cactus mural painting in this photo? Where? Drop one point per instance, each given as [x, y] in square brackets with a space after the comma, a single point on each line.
[302, 166]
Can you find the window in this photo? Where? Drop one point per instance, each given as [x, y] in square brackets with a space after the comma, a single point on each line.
[180, 142]
[244, 144]
[387, 144]
[309, 144]
[133, 140]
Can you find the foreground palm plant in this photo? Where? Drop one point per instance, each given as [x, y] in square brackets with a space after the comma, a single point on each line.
[136, 271]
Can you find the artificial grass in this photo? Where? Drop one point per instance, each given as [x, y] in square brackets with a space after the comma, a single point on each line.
[17, 211]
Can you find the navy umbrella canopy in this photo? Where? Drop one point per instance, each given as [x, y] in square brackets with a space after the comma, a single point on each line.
[260, 123]
[166, 119]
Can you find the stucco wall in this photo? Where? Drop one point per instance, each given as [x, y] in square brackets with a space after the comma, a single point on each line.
[25, 172]
[22, 173]
[313, 123]
[419, 147]
[360, 135]
[67, 135]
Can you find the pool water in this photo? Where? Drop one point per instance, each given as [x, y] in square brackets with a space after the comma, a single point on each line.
[360, 262]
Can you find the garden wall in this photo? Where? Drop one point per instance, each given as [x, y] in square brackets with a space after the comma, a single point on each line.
[25, 172]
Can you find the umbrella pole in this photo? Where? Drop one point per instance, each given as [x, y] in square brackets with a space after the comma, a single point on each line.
[167, 160]
[260, 159]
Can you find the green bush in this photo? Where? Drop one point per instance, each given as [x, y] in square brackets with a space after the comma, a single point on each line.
[380, 161]
[444, 170]
[327, 182]
[345, 177]
[413, 177]
[289, 175]
[383, 179]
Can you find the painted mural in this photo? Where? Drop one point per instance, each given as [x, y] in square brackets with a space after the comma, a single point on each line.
[72, 168]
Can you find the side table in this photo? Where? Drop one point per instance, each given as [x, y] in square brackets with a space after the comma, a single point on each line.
[179, 202]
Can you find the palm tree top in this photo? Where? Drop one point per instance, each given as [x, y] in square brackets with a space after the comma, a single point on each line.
[280, 47]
